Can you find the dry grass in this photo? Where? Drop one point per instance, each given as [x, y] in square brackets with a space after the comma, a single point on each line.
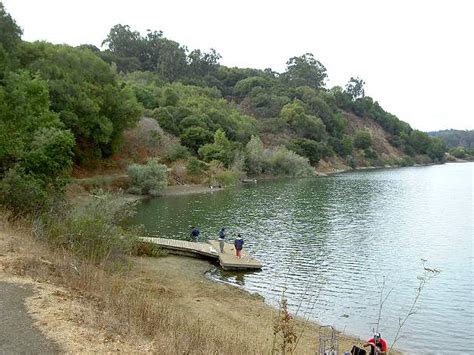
[163, 305]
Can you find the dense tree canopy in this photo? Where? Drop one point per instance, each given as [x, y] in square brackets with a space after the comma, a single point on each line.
[85, 93]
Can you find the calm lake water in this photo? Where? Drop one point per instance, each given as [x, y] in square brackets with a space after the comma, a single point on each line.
[327, 241]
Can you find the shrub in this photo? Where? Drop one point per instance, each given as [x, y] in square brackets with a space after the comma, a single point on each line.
[370, 153]
[362, 139]
[51, 153]
[22, 193]
[220, 150]
[195, 137]
[255, 156]
[221, 176]
[195, 166]
[307, 148]
[148, 179]
[175, 151]
[284, 162]
[407, 161]
[92, 232]
[458, 152]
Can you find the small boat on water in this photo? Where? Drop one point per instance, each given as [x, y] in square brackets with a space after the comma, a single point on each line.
[248, 181]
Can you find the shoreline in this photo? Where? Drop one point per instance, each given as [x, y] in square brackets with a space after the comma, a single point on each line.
[180, 284]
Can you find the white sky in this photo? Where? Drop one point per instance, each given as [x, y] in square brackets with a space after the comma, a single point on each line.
[416, 56]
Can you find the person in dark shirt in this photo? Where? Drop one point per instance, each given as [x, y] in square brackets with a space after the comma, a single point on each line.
[238, 244]
[222, 239]
[195, 234]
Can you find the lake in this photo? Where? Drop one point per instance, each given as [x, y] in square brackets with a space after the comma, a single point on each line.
[328, 243]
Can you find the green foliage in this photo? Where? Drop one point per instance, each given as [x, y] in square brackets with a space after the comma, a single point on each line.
[35, 152]
[362, 139]
[456, 138]
[24, 108]
[437, 149]
[85, 93]
[355, 88]
[245, 86]
[220, 176]
[371, 154]
[277, 162]
[343, 147]
[50, 155]
[23, 193]
[203, 64]
[256, 162]
[334, 122]
[220, 150]
[284, 162]
[166, 120]
[266, 103]
[175, 151]
[458, 152]
[195, 167]
[10, 37]
[305, 126]
[92, 232]
[305, 71]
[310, 149]
[148, 179]
[416, 142]
[153, 52]
[195, 137]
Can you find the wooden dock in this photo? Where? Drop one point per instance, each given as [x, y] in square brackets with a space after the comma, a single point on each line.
[209, 250]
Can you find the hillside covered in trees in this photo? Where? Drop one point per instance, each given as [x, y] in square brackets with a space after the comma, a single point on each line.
[459, 142]
[64, 106]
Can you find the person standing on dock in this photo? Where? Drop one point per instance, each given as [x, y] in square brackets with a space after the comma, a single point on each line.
[222, 239]
[238, 244]
[195, 234]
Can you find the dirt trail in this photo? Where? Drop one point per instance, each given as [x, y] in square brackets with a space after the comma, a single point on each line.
[17, 333]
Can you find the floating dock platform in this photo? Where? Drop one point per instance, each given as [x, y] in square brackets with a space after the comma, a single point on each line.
[209, 250]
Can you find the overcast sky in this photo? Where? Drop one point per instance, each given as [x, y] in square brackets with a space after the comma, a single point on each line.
[416, 56]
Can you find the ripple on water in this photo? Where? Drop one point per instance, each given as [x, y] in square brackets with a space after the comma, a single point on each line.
[325, 243]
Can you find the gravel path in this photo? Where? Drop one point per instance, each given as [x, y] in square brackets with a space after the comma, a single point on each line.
[17, 334]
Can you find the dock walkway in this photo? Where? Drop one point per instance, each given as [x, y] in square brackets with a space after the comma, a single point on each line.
[209, 250]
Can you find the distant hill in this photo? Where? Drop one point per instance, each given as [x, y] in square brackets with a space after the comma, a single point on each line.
[455, 138]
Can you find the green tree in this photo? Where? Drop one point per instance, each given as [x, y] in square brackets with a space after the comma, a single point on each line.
[220, 150]
[362, 139]
[202, 64]
[24, 109]
[10, 38]
[50, 155]
[355, 88]
[310, 149]
[195, 137]
[305, 71]
[305, 126]
[245, 86]
[437, 149]
[86, 94]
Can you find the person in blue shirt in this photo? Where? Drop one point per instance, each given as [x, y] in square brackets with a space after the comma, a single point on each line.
[238, 244]
[222, 239]
[195, 234]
